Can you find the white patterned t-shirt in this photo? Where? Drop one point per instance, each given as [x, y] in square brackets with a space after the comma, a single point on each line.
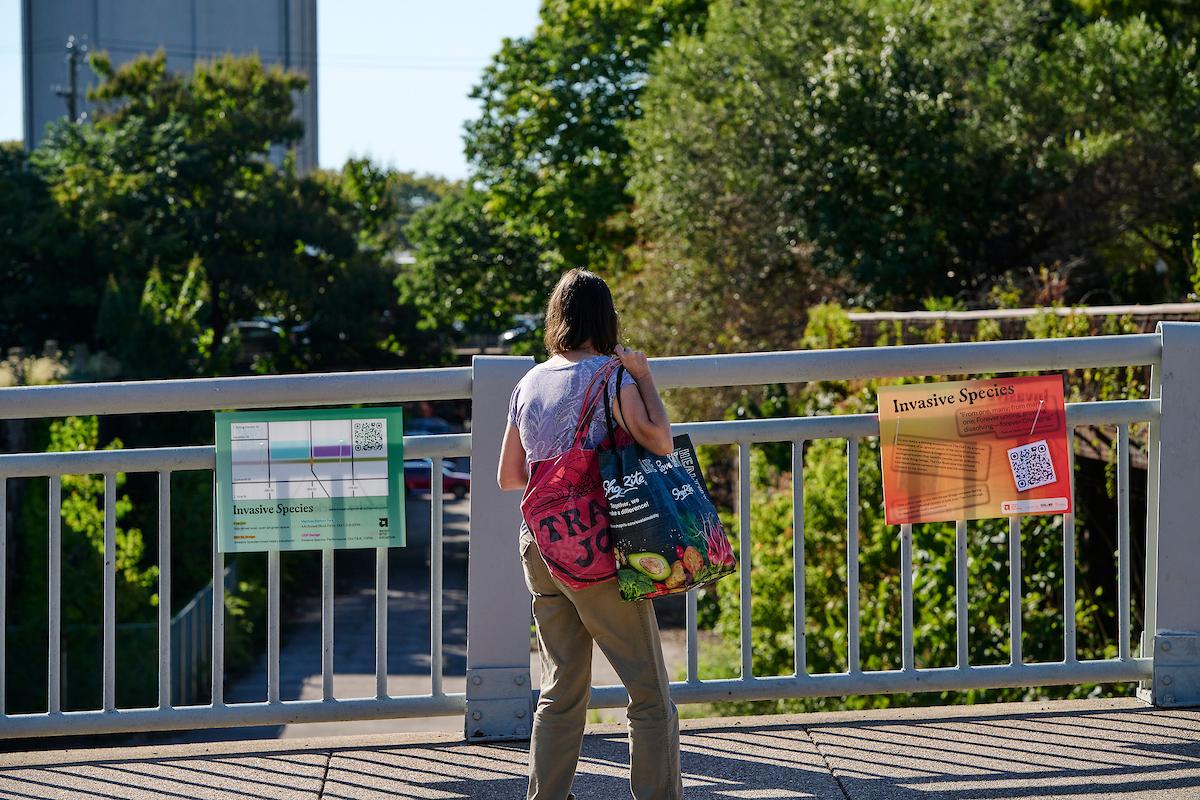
[545, 406]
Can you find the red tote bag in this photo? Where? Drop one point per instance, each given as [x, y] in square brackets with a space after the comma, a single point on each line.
[564, 504]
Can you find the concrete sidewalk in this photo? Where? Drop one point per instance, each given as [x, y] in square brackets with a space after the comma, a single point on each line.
[1061, 749]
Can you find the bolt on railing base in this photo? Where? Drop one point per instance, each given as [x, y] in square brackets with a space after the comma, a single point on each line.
[1176, 670]
[499, 704]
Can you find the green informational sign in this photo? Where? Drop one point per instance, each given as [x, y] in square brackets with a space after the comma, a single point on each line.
[310, 480]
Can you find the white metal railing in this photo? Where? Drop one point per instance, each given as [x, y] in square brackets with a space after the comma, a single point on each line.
[908, 678]
[498, 700]
[213, 394]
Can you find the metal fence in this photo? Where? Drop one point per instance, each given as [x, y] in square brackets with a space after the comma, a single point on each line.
[191, 635]
[213, 394]
[498, 700]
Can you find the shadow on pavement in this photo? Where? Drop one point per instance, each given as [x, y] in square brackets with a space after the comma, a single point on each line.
[1074, 749]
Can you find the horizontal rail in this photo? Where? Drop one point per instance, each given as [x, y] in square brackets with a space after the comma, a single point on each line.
[257, 391]
[848, 426]
[858, 363]
[448, 383]
[939, 679]
[176, 459]
[1137, 310]
[129, 720]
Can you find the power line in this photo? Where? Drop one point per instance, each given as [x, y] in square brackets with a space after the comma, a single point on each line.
[269, 56]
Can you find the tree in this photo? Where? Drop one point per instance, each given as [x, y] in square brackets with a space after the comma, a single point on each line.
[1175, 17]
[913, 150]
[549, 146]
[187, 226]
[472, 272]
[385, 200]
[48, 290]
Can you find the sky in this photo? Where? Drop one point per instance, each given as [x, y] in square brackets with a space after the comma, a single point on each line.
[393, 76]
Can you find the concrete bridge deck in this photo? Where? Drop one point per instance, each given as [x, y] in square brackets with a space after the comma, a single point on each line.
[1117, 748]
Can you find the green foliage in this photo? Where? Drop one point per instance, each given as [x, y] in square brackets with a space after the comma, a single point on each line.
[773, 633]
[932, 149]
[471, 270]
[385, 200]
[81, 568]
[828, 328]
[548, 145]
[46, 283]
[1176, 17]
[825, 529]
[83, 523]
[153, 231]
[1196, 267]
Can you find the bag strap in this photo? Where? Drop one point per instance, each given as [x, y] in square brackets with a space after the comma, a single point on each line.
[608, 417]
[590, 398]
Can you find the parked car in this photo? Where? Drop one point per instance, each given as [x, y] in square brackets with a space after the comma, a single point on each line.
[417, 477]
[523, 328]
[417, 426]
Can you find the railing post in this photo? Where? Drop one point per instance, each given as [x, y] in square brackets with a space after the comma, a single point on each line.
[1177, 613]
[499, 700]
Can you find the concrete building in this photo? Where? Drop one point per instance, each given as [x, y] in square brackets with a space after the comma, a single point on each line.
[281, 31]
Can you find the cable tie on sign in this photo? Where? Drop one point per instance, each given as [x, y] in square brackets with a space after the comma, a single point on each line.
[1035, 416]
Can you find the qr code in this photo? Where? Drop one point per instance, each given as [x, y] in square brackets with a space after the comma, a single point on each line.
[1031, 465]
[369, 435]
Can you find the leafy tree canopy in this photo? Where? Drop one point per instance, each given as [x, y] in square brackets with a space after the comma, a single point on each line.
[549, 145]
[915, 151]
[182, 220]
[472, 272]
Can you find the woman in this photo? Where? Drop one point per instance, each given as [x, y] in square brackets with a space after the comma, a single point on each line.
[581, 337]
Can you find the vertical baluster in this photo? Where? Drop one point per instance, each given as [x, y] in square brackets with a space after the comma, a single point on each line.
[201, 639]
[435, 575]
[110, 591]
[54, 557]
[164, 589]
[852, 648]
[1069, 654]
[327, 624]
[381, 620]
[176, 696]
[273, 592]
[960, 592]
[1123, 540]
[744, 550]
[217, 650]
[1150, 610]
[1014, 589]
[800, 610]
[3, 588]
[906, 597]
[693, 655]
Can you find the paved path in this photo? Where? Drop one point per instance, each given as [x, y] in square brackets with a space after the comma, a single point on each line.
[408, 638]
[1064, 750]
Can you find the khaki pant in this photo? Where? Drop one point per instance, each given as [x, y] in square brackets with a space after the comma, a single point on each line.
[627, 633]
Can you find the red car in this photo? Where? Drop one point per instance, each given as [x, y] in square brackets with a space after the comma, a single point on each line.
[454, 481]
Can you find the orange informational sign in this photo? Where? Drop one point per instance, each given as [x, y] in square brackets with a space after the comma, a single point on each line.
[974, 449]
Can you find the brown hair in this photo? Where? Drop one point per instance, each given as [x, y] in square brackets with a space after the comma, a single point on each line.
[581, 308]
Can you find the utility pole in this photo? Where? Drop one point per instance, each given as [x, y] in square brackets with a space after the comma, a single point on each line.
[71, 93]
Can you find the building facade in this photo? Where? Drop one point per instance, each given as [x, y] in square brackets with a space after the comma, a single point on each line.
[282, 32]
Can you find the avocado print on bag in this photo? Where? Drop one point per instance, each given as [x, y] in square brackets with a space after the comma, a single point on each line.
[666, 534]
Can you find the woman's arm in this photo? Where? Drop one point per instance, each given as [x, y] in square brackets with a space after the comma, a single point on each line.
[645, 416]
[512, 473]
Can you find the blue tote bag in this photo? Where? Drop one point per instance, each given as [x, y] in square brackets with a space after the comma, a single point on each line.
[666, 535]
